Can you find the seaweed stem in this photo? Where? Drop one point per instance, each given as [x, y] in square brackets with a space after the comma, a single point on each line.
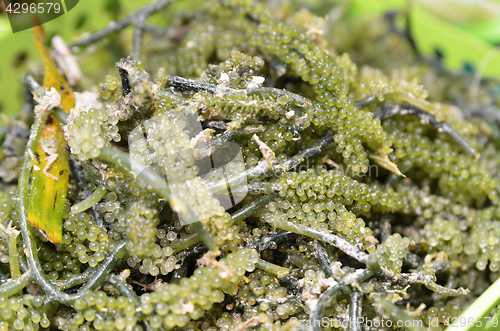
[237, 216]
[252, 208]
[188, 85]
[105, 267]
[15, 272]
[123, 162]
[14, 286]
[138, 32]
[61, 115]
[322, 257]
[330, 238]
[365, 101]
[120, 25]
[404, 279]
[74, 280]
[274, 239]
[324, 300]
[386, 306]
[355, 310]
[96, 177]
[272, 268]
[12, 234]
[121, 284]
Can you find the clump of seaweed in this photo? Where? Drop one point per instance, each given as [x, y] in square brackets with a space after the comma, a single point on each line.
[257, 179]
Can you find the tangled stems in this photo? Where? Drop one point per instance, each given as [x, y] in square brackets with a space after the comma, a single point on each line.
[395, 278]
[122, 286]
[329, 206]
[75, 280]
[92, 279]
[412, 278]
[35, 272]
[124, 162]
[330, 238]
[111, 185]
[391, 110]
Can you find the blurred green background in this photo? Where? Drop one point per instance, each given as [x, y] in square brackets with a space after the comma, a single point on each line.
[462, 32]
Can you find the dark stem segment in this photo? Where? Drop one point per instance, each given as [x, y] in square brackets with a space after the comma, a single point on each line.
[180, 273]
[125, 83]
[404, 279]
[192, 251]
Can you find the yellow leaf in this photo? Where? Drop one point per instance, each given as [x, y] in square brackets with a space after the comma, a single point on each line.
[49, 184]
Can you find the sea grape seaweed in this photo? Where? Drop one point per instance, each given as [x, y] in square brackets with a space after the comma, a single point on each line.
[250, 168]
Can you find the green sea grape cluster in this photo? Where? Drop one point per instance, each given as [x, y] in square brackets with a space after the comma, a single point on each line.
[348, 183]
